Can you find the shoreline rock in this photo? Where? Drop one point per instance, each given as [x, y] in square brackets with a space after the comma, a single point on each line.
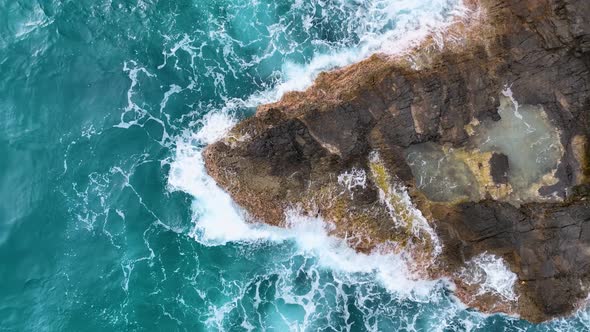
[339, 150]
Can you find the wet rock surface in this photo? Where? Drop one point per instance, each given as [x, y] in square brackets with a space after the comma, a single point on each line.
[339, 151]
[499, 167]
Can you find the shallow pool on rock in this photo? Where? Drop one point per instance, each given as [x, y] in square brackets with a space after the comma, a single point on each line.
[441, 175]
[524, 136]
[527, 137]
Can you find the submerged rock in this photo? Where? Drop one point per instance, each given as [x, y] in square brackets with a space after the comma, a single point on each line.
[451, 155]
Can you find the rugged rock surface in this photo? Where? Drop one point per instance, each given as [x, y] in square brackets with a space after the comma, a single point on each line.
[340, 150]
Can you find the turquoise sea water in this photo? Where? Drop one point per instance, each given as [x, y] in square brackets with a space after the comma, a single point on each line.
[107, 219]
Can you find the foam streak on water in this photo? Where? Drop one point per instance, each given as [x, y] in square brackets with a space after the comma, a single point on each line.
[104, 186]
[382, 26]
[386, 26]
[218, 221]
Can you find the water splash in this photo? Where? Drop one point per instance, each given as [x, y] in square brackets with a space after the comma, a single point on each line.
[492, 275]
[353, 179]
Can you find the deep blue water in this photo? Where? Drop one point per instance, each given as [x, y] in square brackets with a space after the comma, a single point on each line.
[107, 219]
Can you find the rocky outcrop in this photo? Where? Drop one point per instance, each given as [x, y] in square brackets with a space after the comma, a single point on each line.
[351, 147]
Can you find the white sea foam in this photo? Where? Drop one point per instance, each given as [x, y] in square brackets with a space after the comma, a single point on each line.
[413, 21]
[325, 278]
[311, 236]
[354, 178]
[217, 125]
[217, 219]
[492, 275]
[402, 209]
[507, 92]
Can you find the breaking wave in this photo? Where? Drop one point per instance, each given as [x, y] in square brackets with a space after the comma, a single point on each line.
[242, 275]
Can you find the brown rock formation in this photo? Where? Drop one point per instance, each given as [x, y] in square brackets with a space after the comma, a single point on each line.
[312, 149]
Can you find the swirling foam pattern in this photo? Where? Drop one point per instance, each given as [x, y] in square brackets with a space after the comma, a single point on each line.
[107, 218]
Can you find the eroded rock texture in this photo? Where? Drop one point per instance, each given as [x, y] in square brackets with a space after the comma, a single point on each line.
[340, 151]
